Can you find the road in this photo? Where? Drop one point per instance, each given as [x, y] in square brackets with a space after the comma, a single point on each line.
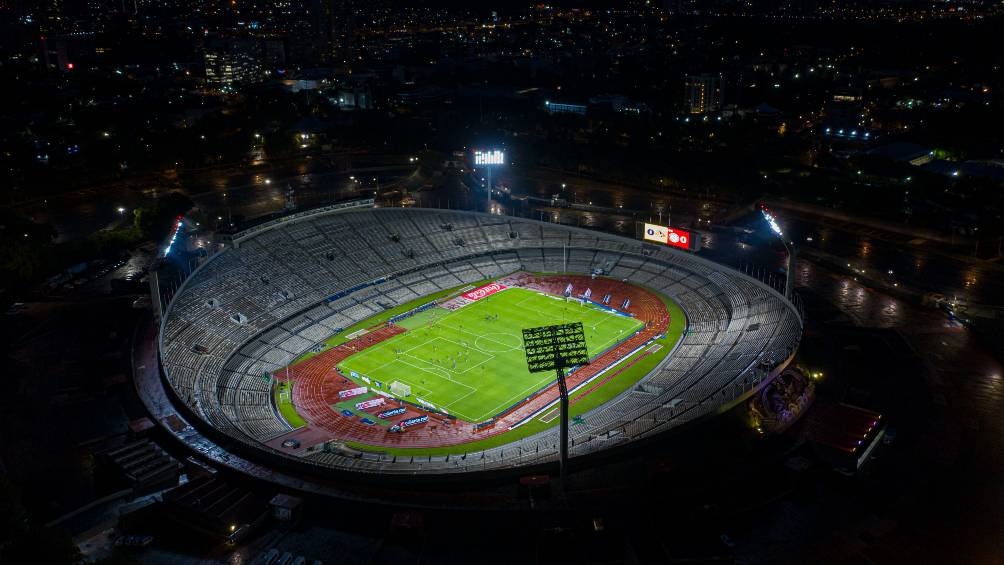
[245, 190]
[229, 191]
[921, 264]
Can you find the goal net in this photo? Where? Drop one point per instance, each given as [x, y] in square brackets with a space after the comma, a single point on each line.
[400, 389]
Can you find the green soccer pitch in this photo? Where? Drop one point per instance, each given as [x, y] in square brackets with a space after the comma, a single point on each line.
[470, 361]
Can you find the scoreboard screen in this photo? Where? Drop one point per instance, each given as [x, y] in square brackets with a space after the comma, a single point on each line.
[673, 237]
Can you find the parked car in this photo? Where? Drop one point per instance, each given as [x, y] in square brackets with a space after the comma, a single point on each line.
[133, 541]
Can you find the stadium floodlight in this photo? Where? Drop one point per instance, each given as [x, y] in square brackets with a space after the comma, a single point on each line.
[771, 221]
[557, 348]
[494, 157]
[488, 160]
[174, 236]
[789, 246]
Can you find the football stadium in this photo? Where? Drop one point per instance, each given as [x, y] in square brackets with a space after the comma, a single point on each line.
[388, 341]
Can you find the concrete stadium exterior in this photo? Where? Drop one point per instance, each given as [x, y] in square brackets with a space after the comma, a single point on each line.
[279, 288]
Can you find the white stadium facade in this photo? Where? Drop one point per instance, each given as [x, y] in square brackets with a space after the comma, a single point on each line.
[266, 297]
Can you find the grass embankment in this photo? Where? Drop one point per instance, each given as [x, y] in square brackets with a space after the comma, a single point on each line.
[284, 401]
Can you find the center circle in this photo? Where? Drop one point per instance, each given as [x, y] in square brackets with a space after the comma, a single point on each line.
[497, 342]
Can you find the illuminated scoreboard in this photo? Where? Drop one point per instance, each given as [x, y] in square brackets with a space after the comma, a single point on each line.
[673, 237]
[495, 157]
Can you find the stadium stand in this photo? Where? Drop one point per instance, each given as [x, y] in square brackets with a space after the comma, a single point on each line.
[296, 282]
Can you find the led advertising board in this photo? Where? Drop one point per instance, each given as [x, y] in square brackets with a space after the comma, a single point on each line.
[343, 394]
[484, 291]
[405, 424]
[673, 237]
[371, 403]
[495, 157]
[392, 412]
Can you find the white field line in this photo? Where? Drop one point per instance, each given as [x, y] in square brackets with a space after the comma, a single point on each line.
[461, 330]
[523, 394]
[459, 399]
[434, 370]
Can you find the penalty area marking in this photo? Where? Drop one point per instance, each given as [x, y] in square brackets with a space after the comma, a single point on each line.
[433, 371]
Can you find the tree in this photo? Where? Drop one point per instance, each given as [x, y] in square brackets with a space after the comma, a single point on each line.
[42, 545]
[156, 222]
[24, 248]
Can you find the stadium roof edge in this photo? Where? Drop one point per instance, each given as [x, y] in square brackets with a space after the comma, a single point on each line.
[296, 216]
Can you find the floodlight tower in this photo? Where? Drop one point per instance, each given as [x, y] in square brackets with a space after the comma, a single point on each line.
[789, 246]
[556, 348]
[488, 160]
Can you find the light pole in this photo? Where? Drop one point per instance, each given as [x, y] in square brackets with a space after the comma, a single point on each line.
[487, 160]
[556, 348]
[789, 246]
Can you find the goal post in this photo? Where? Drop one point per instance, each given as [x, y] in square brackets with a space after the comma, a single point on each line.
[285, 392]
[399, 389]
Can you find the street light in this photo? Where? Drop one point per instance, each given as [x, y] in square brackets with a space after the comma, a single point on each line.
[121, 210]
[789, 246]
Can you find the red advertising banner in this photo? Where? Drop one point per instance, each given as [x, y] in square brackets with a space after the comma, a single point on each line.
[352, 392]
[481, 292]
[371, 403]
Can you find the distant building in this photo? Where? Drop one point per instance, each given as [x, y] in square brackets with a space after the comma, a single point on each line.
[333, 30]
[320, 78]
[231, 63]
[848, 95]
[63, 52]
[286, 508]
[702, 94]
[353, 97]
[564, 108]
[142, 463]
[845, 116]
[618, 103]
[216, 508]
[273, 53]
[843, 435]
[903, 152]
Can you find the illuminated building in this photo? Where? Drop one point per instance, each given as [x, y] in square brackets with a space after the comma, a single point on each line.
[702, 94]
[564, 108]
[231, 64]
